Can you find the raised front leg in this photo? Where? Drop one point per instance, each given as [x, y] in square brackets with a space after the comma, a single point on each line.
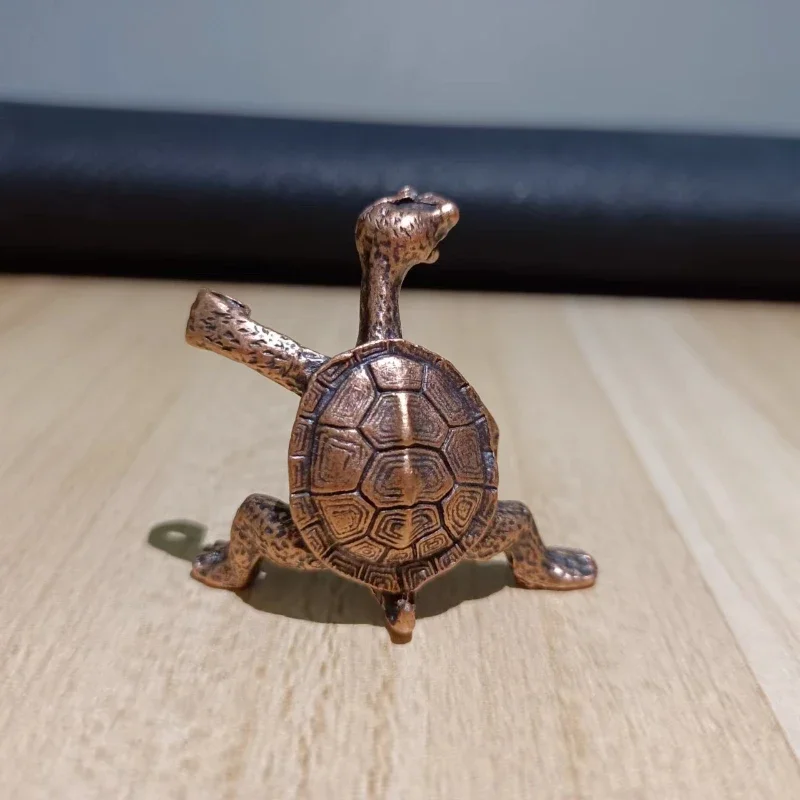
[534, 565]
[262, 528]
[223, 325]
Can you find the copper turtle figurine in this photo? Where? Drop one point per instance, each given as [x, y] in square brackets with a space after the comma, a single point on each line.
[393, 456]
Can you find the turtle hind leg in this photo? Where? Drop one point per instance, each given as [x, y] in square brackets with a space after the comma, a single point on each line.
[262, 529]
[534, 565]
[400, 611]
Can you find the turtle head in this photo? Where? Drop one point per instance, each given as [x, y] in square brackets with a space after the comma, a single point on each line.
[403, 230]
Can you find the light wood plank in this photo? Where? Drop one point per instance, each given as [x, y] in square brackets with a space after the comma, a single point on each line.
[708, 396]
[123, 678]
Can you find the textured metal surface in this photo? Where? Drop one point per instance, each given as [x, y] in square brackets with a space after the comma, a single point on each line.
[223, 325]
[393, 235]
[393, 456]
[400, 491]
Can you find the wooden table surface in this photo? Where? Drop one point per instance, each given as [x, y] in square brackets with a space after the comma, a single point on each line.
[663, 436]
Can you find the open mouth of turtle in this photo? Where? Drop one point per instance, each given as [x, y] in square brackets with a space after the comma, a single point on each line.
[408, 204]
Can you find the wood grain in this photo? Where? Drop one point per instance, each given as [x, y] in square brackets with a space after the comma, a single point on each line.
[711, 408]
[657, 435]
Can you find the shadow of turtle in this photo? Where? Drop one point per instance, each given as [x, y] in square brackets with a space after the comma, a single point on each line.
[326, 597]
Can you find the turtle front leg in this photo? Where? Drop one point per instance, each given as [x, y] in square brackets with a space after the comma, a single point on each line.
[262, 528]
[223, 325]
[534, 565]
[400, 611]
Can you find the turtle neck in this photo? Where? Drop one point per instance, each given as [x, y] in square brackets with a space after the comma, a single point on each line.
[380, 300]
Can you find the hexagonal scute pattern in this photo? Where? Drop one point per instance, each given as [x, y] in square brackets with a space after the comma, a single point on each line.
[463, 450]
[406, 477]
[392, 556]
[367, 550]
[393, 528]
[397, 373]
[433, 543]
[460, 507]
[348, 515]
[447, 399]
[350, 402]
[339, 460]
[400, 528]
[403, 419]
[391, 466]
[424, 519]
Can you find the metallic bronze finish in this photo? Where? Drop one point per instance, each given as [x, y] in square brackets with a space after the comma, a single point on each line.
[393, 235]
[401, 490]
[223, 325]
[392, 457]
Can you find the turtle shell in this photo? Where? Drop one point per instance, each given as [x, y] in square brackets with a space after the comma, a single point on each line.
[392, 465]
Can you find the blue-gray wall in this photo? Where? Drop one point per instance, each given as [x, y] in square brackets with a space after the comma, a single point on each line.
[726, 65]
